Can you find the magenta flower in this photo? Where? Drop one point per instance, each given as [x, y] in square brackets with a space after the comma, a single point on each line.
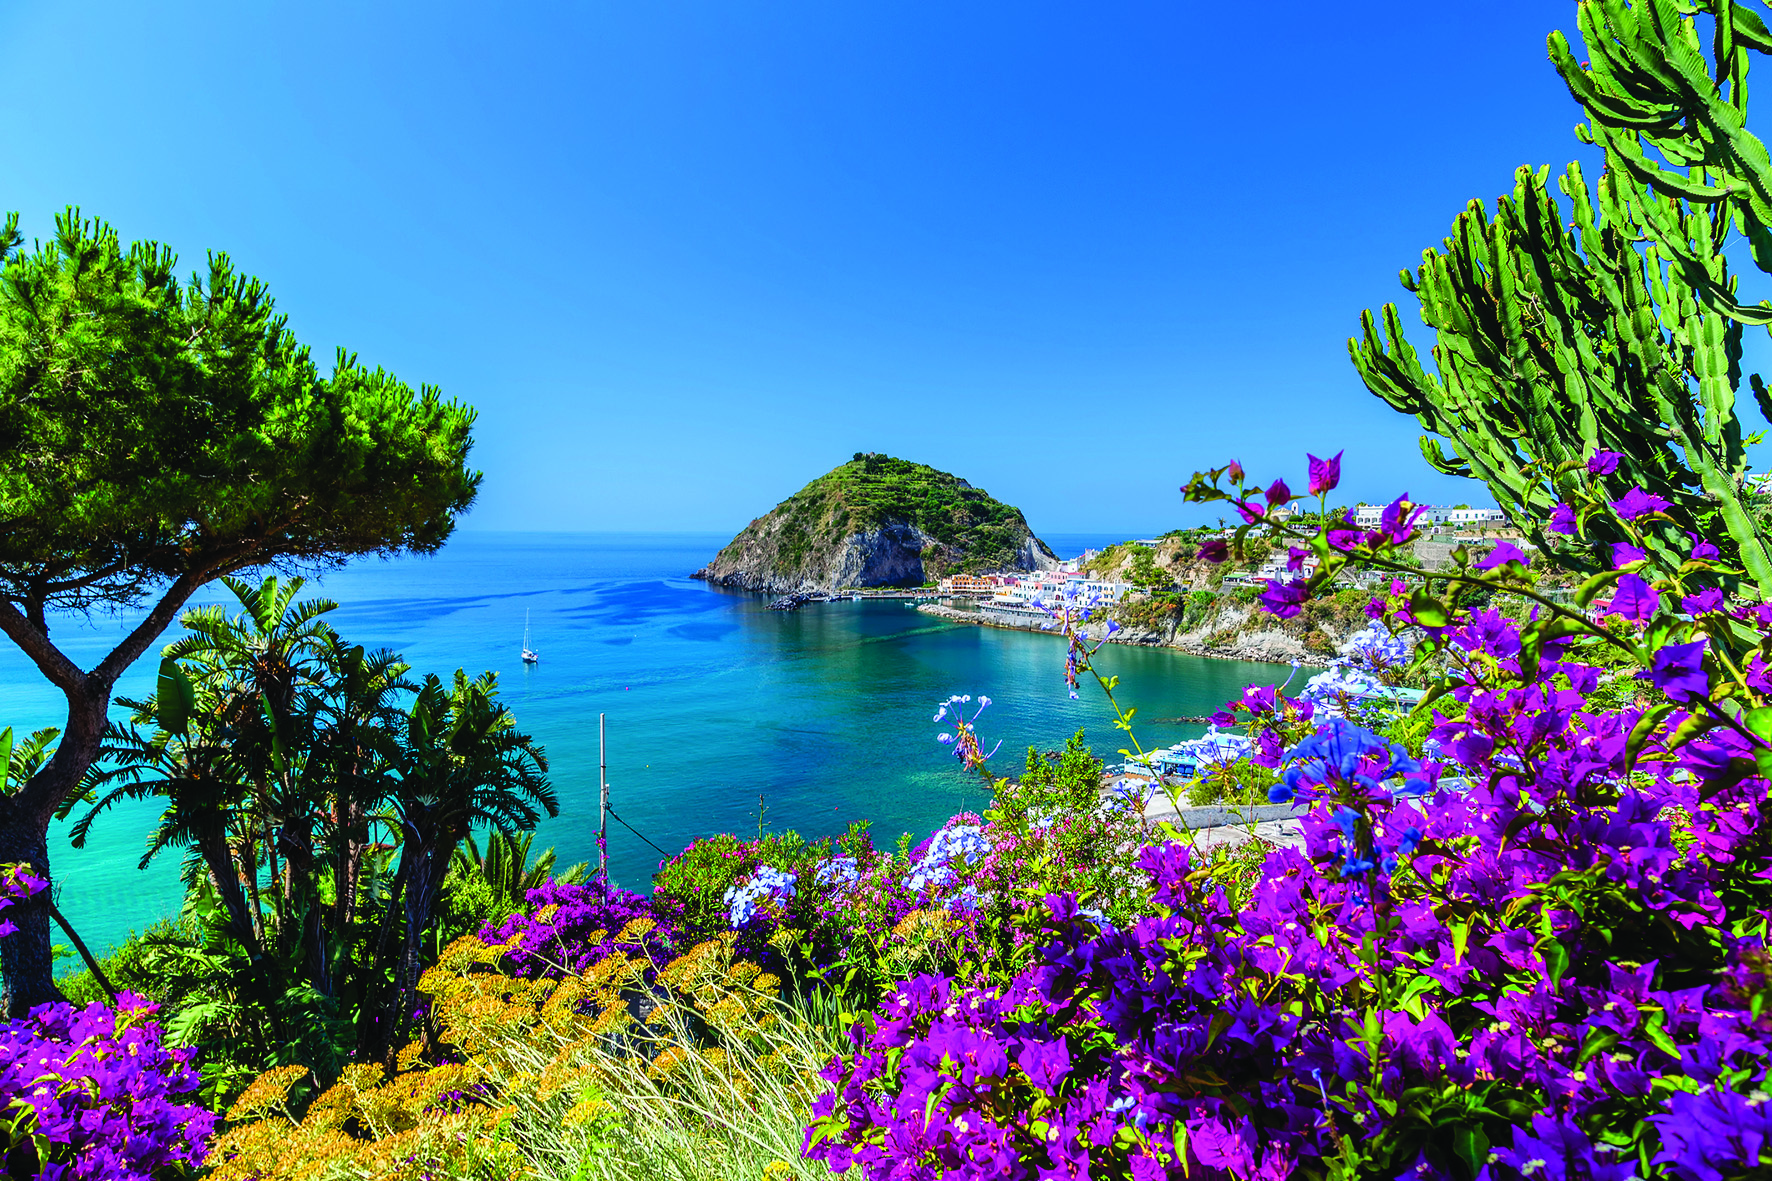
[1502, 553]
[1638, 503]
[1397, 523]
[1678, 671]
[1235, 472]
[1249, 511]
[1706, 601]
[1603, 463]
[1634, 599]
[1278, 494]
[1283, 599]
[1562, 520]
[1214, 549]
[1758, 674]
[1325, 473]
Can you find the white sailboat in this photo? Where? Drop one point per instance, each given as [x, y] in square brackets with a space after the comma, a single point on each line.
[530, 655]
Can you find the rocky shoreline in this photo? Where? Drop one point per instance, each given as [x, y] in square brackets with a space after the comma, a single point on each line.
[1267, 646]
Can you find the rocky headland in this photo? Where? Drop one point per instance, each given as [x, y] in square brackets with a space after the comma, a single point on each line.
[877, 521]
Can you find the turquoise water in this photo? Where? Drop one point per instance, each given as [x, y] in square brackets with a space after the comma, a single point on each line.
[712, 700]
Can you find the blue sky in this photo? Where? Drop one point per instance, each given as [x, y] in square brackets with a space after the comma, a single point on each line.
[685, 257]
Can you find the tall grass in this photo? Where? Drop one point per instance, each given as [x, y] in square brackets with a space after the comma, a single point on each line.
[737, 1112]
[695, 1070]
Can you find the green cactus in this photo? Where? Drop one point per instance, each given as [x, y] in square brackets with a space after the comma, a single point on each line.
[1618, 328]
[1650, 86]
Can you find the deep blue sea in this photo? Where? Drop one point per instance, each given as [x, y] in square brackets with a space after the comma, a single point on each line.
[715, 704]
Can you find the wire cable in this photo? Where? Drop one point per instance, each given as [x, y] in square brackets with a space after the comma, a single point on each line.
[638, 833]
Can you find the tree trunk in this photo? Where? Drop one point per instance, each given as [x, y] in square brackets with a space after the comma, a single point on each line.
[25, 955]
[416, 906]
[213, 844]
[375, 1034]
[26, 959]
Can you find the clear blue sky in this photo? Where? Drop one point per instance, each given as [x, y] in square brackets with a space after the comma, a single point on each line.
[685, 257]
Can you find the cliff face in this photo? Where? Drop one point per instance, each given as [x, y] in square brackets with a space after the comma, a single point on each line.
[877, 521]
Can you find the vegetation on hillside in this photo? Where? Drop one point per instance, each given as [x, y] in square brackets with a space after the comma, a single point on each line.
[973, 531]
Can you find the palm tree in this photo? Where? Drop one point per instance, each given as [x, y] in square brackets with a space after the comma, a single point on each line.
[259, 662]
[461, 763]
[189, 759]
[352, 718]
[505, 868]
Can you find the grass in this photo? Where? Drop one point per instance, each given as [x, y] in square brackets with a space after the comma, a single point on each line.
[694, 1070]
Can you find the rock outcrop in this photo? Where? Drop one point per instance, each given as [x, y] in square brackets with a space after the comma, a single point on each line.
[877, 521]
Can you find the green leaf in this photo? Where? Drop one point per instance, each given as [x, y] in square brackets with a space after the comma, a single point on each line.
[1471, 1145]
[277, 759]
[1760, 722]
[1556, 958]
[6, 757]
[1428, 611]
[1639, 735]
[175, 698]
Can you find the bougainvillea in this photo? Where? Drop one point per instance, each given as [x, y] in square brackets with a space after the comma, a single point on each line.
[1545, 957]
[573, 926]
[95, 1093]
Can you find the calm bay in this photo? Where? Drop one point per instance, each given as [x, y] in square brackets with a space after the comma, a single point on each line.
[716, 705]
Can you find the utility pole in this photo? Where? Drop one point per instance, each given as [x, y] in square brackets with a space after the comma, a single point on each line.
[603, 802]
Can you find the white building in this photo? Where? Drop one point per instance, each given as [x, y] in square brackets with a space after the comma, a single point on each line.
[1276, 568]
[1369, 516]
[1055, 589]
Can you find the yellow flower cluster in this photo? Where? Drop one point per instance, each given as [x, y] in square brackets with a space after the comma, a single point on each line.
[504, 1056]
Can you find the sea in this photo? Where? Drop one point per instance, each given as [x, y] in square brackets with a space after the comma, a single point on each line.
[720, 715]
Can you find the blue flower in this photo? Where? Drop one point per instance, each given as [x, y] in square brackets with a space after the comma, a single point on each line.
[1345, 753]
[767, 884]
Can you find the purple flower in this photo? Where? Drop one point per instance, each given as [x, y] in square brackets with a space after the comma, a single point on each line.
[1562, 520]
[1624, 555]
[1278, 494]
[1702, 551]
[1638, 503]
[1214, 549]
[1603, 463]
[1558, 1150]
[1502, 553]
[1758, 674]
[1325, 473]
[1715, 1134]
[1678, 671]
[1705, 602]
[1634, 599]
[1397, 523]
[1283, 599]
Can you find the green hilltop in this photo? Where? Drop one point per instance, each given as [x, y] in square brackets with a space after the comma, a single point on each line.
[806, 538]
